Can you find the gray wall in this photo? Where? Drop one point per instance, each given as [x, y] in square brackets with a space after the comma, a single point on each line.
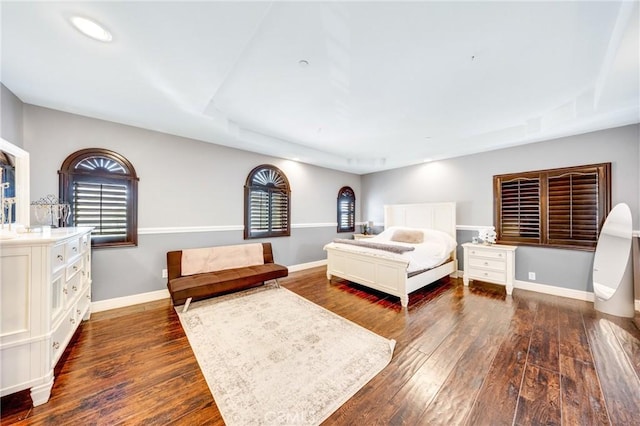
[468, 181]
[10, 117]
[183, 183]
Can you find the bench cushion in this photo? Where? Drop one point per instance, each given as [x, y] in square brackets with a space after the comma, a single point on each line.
[201, 286]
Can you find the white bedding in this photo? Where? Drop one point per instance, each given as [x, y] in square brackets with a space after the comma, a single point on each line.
[434, 251]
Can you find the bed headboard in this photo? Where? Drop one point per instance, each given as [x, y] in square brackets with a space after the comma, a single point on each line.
[440, 216]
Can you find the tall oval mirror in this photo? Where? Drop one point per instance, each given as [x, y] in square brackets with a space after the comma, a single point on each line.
[612, 275]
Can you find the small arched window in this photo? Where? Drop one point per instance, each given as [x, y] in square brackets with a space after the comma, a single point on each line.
[267, 206]
[101, 186]
[346, 210]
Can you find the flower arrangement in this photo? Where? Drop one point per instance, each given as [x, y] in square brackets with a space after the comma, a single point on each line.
[488, 235]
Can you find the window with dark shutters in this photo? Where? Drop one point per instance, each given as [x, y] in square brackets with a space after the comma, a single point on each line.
[346, 210]
[520, 209]
[101, 188]
[559, 207]
[267, 206]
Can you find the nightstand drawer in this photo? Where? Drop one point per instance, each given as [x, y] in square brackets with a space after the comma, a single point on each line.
[492, 254]
[477, 262]
[498, 277]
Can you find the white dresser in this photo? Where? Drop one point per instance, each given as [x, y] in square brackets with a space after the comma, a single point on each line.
[45, 292]
[491, 263]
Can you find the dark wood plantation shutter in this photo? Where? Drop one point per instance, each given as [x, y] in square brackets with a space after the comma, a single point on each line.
[574, 208]
[559, 207]
[519, 211]
[346, 210]
[101, 186]
[267, 207]
[102, 206]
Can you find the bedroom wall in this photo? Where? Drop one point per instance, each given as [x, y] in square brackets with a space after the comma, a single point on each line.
[468, 181]
[184, 183]
[10, 117]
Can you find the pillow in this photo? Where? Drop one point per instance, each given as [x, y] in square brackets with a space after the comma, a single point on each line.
[408, 236]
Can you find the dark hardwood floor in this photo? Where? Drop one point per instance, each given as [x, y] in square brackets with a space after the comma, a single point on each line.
[463, 356]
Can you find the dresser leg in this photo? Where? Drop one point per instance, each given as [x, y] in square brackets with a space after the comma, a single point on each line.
[465, 280]
[41, 393]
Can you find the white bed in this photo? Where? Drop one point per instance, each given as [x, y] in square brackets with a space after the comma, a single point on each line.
[389, 272]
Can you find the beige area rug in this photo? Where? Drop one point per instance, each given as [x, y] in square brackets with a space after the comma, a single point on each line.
[271, 357]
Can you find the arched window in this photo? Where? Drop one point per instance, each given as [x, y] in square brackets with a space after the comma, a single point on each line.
[266, 201]
[101, 186]
[346, 210]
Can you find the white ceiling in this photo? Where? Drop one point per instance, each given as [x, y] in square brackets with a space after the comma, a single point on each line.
[388, 84]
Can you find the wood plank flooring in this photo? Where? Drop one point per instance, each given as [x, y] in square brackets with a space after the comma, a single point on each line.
[464, 356]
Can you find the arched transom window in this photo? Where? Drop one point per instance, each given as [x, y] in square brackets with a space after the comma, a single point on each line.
[101, 186]
[267, 205]
[346, 210]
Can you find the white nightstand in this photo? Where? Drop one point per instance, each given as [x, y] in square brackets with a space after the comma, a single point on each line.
[362, 236]
[491, 263]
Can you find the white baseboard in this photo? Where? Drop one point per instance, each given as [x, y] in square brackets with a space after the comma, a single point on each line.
[554, 290]
[637, 305]
[303, 266]
[134, 299]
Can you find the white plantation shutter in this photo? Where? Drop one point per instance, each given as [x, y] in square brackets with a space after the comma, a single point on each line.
[267, 205]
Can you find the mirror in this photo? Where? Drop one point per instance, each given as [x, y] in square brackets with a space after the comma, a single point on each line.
[20, 159]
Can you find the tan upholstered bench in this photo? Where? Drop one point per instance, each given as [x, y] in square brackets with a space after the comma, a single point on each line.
[187, 288]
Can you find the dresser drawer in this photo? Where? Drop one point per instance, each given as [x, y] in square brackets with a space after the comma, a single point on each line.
[478, 262]
[74, 268]
[72, 248]
[83, 304]
[71, 290]
[85, 243]
[60, 336]
[498, 277]
[487, 253]
[58, 258]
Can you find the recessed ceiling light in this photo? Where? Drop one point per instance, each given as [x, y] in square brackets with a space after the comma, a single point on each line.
[91, 29]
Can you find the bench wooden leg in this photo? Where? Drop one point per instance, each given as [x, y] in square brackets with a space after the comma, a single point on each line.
[186, 305]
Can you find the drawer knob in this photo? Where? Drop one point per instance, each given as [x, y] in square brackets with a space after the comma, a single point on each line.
[72, 320]
[65, 291]
[499, 254]
[75, 267]
[78, 311]
[473, 252]
[75, 288]
[486, 274]
[56, 345]
[89, 296]
[486, 263]
[60, 258]
[74, 248]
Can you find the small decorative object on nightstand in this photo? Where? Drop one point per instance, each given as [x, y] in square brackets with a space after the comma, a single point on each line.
[362, 236]
[491, 263]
